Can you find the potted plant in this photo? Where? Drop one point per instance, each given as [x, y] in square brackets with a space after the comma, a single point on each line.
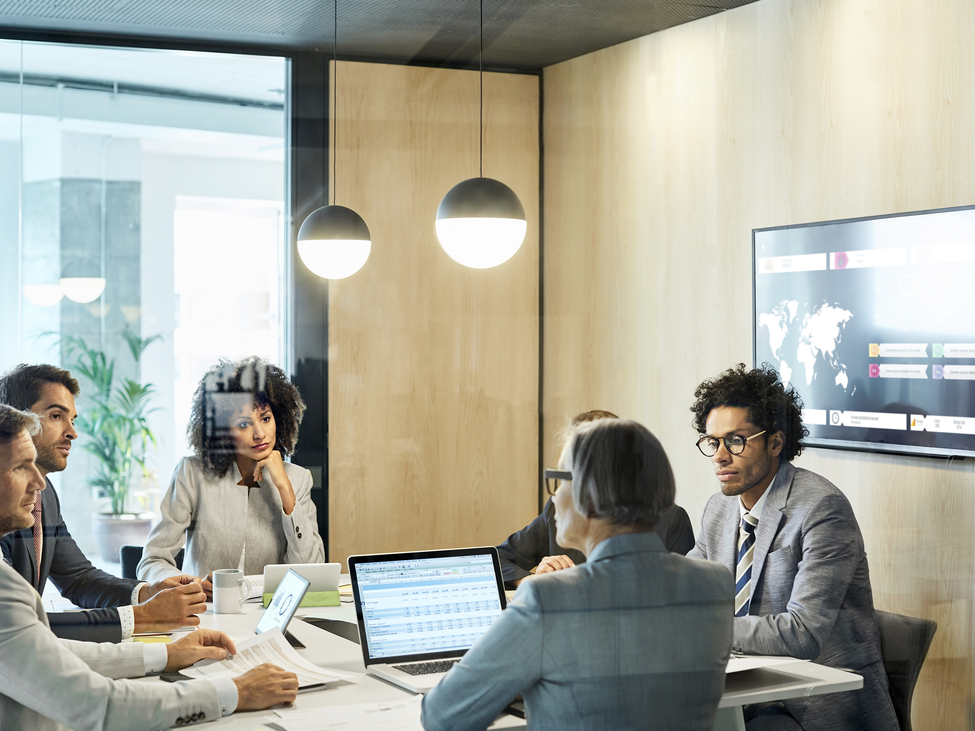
[116, 427]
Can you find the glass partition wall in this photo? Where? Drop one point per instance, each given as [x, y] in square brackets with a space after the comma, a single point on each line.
[142, 197]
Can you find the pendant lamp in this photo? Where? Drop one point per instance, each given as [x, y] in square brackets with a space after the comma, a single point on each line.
[82, 289]
[334, 241]
[480, 222]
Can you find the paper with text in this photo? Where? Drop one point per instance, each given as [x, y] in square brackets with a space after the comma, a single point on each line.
[267, 647]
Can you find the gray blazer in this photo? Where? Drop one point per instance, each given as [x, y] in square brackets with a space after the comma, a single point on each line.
[811, 595]
[214, 515]
[47, 684]
[72, 573]
[636, 637]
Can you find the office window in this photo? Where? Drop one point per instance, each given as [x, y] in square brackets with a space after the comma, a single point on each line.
[156, 178]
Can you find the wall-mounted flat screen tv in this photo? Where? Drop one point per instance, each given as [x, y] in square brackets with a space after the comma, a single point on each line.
[872, 321]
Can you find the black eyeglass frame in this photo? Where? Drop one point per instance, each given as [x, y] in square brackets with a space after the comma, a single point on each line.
[555, 475]
[729, 440]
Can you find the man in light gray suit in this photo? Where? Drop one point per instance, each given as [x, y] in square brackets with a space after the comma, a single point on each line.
[47, 684]
[793, 543]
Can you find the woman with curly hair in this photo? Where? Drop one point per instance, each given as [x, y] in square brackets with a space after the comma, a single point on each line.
[236, 503]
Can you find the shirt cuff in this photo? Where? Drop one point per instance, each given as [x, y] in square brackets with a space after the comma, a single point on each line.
[226, 694]
[127, 618]
[136, 591]
[155, 657]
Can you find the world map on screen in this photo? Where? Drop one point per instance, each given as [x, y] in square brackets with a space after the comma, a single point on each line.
[808, 337]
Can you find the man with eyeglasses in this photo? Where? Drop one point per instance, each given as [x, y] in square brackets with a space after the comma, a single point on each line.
[793, 544]
[535, 546]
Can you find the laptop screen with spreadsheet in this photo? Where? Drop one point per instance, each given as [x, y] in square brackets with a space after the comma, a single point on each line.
[425, 605]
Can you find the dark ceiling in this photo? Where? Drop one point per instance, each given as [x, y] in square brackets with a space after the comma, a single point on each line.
[524, 35]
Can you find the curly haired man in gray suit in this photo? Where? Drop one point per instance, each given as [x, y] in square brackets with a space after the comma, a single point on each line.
[791, 540]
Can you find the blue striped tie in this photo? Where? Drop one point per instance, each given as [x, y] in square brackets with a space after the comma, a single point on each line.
[743, 572]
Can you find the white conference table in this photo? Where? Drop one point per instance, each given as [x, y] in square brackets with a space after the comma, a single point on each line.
[782, 679]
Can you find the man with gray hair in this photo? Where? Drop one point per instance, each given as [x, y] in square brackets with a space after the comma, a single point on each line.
[117, 607]
[47, 684]
[636, 637]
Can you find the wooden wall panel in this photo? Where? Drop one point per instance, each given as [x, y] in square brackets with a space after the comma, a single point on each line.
[433, 367]
[661, 156]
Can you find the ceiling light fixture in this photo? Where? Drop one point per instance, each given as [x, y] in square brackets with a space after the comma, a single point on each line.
[43, 295]
[480, 222]
[333, 241]
[82, 289]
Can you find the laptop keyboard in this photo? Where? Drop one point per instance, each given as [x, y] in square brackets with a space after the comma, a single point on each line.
[427, 668]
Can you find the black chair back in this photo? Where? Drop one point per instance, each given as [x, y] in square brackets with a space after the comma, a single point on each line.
[904, 643]
[129, 557]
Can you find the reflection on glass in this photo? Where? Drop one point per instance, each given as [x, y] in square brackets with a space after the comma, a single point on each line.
[140, 190]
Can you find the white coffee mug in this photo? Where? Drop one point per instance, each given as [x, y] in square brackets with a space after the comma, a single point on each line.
[228, 591]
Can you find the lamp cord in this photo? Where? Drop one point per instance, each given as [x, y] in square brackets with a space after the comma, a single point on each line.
[335, 96]
[480, 114]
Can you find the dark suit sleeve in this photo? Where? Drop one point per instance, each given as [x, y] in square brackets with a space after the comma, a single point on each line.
[89, 625]
[523, 550]
[72, 573]
[680, 533]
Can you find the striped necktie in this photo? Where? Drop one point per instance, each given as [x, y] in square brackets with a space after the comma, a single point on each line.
[743, 572]
[38, 533]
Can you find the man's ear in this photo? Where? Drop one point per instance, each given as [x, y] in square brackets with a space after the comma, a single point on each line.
[775, 443]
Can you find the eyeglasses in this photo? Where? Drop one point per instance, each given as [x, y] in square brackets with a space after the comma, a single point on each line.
[734, 443]
[552, 478]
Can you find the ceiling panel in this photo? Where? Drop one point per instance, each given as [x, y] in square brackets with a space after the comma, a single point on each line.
[518, 34]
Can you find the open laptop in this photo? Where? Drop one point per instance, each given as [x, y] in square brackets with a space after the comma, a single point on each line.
[283, 605]
[419, 612]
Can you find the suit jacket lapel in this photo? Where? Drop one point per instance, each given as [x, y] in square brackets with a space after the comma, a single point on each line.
[727, 538]
[771, 519]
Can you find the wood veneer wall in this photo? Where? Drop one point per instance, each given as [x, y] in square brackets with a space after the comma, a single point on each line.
[433, 367]
[663, 153]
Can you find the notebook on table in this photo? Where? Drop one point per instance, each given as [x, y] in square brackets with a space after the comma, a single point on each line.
[419, 612]
[323, 590]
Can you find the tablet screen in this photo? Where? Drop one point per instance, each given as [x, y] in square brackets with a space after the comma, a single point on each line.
[284, 603]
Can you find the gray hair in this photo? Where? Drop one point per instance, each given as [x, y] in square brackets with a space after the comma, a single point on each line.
[13, 422]
[620, 473]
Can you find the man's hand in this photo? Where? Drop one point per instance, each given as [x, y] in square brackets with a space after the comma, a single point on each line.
[207, 584]
[148, 591]
[265, 686]
[204, 644]
[554, 563]
[171, 608]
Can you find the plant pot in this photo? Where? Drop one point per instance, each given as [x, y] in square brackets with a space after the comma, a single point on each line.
[114, 531]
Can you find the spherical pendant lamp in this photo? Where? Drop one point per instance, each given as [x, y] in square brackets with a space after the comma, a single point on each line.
[481, 223]
[334, 242]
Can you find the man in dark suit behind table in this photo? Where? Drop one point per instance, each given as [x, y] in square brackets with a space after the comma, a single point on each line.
[790, 538]
[121, 606]
[535, 545]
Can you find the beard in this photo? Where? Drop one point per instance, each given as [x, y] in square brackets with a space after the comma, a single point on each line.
[753, 474]
[50, 459]
[17, 521]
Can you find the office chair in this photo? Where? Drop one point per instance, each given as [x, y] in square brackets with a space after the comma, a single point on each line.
[129, 557]
[904, 643]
